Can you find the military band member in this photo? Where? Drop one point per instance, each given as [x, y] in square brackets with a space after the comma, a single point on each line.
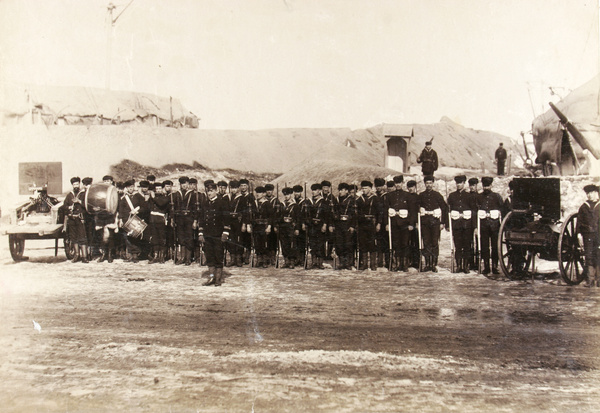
[318, 223]
[107, 228]
[108, 179]
[213, 231]
[463, 215]
[345, 218]
[289, 227]
[490, 212]
[222, 188]
[262, 226]
[587, 231]
[159, 218]
[196, 200]
[132, 203]
[434, 215]
[273, 238]
[302, 238]
[151, 179]
[74, 225]
[402, 209]
[369, 224]
[90, 231]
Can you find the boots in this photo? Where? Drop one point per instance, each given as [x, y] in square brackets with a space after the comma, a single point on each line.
[247, 257]
[103, 256]
[110, 256]
[486, 267]
[495, 267]
[266, 260]
[84, 254]
[212, 279]
[379, 259]
[187, 257]
[218, 276]
[590, 279]
[373, 261]
[434, 261]
[427, 266]
[362, 258]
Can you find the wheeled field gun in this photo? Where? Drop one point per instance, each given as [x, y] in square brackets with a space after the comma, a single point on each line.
[575, 133]
[534, 228]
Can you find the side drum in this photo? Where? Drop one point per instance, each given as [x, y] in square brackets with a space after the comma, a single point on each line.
[101, 197]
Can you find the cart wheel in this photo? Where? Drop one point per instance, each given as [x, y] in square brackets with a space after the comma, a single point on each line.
[17, 246]
[515, 260]
[69, 249]
[570, 253]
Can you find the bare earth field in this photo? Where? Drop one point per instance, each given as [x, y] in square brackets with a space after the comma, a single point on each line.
[139, 337]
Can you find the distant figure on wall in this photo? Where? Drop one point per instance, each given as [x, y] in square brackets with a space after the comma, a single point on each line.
[429, 159]
[500, 157]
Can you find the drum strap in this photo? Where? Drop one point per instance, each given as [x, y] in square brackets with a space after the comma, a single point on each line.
[131, 205]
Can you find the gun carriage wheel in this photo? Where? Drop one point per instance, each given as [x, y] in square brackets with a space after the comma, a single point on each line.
[570, 253]
[17, 246]
[69, 249]
[515, 259]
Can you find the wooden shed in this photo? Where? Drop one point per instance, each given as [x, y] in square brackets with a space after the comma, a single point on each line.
[397, 155]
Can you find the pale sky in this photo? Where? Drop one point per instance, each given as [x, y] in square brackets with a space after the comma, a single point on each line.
[256, 64]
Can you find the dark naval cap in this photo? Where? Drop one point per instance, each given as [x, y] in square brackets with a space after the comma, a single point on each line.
[379, 182]
[222, 183]
[287, 191]
[151, 177]
[75, 179]
[244, 181]
[342, 185]
[269, 187]
[87, 181]
[398, 179]
[590, 188]
[260, 190]
[428, 178]
[315, 187]
[411, 183]
[107, 178]
[193, 181]
[487, 181]
[234, 184]
[128, 183]
[390, 184]
[184, 179]
[473, 181]
[167, 182]
[325, 183]
[297, 188]
[366, 183]
[209, 186]
[144, 184]
[459, 179]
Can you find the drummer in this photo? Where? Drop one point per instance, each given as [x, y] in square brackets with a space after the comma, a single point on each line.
[132, 204]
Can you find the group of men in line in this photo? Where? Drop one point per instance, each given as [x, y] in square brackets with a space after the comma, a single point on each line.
[367, 226]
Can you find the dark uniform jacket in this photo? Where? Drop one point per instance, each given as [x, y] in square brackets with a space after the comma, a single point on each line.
[461, 202]
[491, 201]
[290, 216]
[429, 159]
[402, 203]
[319, 211]
[346, 212]
[588, 218]
[431, 203]
[369, 210]
[137, 201]
[264, 213]
[213, 218]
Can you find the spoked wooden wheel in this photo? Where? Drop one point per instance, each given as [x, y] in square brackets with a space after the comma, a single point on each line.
[570, 253]
[515, 260]
[69, 249]
[17, 246]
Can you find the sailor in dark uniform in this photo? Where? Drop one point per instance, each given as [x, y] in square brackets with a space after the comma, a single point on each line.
[434, 215]
[369, 224]
[588, 219]
[402, 209]
[159, 218]
[132, 203]
[302, 237]
[345, 218]
[170, 230]
[273, 238]
[248, 208]
[319, 220]
[262, 225]
[74, 226]
[331, 201]
[490, 213]
[429, 159]
[289, 227]
[474, 252]
[186, 216]
[415, 252]
[463, 215]
[213, 231]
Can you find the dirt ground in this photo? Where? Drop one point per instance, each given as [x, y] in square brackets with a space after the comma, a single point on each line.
[139, 337]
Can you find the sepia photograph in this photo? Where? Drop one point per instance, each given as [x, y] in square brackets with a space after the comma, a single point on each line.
[300, 206]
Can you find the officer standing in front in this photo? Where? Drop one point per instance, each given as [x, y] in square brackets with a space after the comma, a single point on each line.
[434, 214]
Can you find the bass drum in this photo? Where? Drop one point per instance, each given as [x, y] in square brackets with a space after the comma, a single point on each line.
[101, 197]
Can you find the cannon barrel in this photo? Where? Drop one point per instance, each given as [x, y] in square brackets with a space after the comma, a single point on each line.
[578, 136]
